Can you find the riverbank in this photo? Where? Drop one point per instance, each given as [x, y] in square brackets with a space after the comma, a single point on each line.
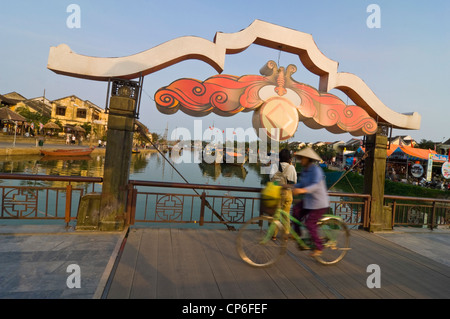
[354, 183]
[22, 146]
[21, 151]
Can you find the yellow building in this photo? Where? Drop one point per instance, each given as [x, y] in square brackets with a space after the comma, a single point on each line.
[72, 111]
[69, 111]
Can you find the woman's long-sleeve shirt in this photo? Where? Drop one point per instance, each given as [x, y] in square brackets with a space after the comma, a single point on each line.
[312, 179]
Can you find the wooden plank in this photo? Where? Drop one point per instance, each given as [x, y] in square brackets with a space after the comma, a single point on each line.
[334, 277]
[284, 282]
[355, 264]
[405, 252]
[408, 270]
[306, 283]
[254, 283]
[167, 280]
[202, 263]
[123, 278]
[366, 253]
[196, 279]
[225, 280]
[146, 272]
[427, 243]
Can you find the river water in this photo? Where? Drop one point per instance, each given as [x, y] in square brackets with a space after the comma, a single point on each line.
[149, 166]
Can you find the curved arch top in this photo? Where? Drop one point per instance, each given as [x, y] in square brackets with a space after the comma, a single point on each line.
[63, 60]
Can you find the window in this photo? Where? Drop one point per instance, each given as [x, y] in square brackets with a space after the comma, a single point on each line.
[61, 111]
[81, 113]
[95, 117]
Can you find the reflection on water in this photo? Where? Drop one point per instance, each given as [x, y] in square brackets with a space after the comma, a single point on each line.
[150, 166]
[227, 171]
[144, 166]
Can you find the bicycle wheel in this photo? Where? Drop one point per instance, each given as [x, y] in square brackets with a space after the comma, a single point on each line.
[261, 241]
[336, 240]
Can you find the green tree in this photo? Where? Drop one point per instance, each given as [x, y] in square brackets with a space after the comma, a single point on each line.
[325, 152]
[87, 127]
[59, 124]
[32, 117]
[156, 137]
[426, 144]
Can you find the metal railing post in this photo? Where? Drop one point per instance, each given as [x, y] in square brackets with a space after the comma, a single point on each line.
[366, 220]
[394, 207]
[202, 208]
[68, 204]
[433, 212]
[129, 203]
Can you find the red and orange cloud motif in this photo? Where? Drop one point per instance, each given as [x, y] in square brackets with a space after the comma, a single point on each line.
[274, 96]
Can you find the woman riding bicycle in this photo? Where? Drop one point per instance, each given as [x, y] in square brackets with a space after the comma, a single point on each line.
[315, 202]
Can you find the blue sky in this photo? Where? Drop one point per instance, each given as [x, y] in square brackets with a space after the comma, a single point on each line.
[405, 62]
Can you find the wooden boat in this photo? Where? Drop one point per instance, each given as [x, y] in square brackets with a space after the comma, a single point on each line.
[213, 156]
[233, 158]
[66, 158]
[67, 152]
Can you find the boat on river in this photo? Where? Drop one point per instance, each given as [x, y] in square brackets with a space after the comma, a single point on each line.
[233, 158]
[67, 152]
[212, 156]
[66, 158]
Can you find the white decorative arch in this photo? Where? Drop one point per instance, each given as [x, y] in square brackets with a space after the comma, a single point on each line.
[64, 61]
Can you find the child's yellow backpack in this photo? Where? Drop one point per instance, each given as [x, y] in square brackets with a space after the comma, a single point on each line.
[270, 198]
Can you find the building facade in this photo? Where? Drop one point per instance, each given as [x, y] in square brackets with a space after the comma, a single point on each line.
[72, 111]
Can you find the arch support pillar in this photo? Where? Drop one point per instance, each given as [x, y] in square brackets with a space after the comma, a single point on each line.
[121, 120]
[374, 180]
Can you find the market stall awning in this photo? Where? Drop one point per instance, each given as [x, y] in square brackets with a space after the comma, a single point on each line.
[52, 125]
[79, 129]
[389, 151]
[412, 153]
[7, 114]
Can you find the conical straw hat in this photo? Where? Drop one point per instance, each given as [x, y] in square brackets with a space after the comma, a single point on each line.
[308, 152]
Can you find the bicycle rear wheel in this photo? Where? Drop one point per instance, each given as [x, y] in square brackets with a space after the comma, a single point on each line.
[261, 241]
[336, 240]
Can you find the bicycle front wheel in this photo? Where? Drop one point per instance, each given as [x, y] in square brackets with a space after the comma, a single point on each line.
[336, 239]
[261, 241]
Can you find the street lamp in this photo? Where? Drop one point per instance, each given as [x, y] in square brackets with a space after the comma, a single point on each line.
[15, 133]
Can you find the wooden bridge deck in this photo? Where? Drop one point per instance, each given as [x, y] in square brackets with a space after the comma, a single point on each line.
[203, 264]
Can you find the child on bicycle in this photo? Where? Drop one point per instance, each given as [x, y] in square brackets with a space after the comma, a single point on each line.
[315, 202]
[285, 174]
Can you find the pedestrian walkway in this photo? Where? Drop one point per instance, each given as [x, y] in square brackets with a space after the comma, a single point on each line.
[34, 261]
[202, 263]
[434, 244]
[163, 263]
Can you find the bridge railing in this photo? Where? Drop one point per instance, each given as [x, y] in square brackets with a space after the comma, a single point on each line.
[43, 196]
[354, 209]
[58, 198]
[417, 211]
[162, 202]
